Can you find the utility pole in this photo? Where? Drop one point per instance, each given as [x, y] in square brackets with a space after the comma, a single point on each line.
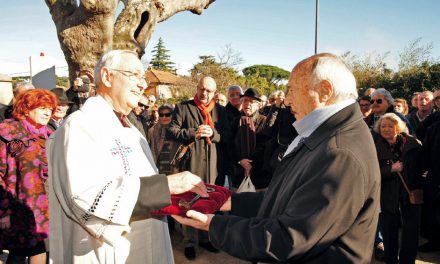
[316, 27]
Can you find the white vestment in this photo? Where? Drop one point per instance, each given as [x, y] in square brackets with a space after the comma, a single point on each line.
[94, 169]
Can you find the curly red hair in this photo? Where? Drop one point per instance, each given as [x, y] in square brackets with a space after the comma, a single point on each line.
[32, 99]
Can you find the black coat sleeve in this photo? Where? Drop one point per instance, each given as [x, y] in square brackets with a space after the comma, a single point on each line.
[154, 194]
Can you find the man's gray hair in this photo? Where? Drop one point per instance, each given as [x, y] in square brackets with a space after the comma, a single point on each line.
[331, 68]
[235, 87]
[110, 59]
[23, 84]
[386, 94]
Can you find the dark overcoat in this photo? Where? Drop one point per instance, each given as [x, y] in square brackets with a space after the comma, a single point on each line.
[392, 191]
[186, 119]
[321, 205]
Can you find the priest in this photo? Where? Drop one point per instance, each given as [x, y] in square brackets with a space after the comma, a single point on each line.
[103, 181]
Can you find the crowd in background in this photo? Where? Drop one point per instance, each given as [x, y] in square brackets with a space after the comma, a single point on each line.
[224, 139]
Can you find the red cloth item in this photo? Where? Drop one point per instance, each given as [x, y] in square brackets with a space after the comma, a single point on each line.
[206, 113]
[207, 205]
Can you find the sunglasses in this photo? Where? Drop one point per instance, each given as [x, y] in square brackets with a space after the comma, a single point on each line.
[379, 101]
[141, 105]
[165, 115]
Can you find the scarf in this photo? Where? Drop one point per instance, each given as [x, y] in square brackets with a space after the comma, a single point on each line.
[123, 119]
[247, 137]
[158, 139]
[42, 131]
[206, 113]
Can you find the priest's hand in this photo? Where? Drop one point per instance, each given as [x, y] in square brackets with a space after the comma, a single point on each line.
[195, 219]
[186, 181]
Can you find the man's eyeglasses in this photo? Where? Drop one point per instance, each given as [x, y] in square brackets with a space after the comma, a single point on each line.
[378, 101]
[141, 105]
[164, 114]
[133, 77]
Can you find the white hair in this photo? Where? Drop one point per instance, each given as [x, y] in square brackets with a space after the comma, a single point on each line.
[235, 87]
[22, 85]
[110, 59]
[332, 69]
[386, 94]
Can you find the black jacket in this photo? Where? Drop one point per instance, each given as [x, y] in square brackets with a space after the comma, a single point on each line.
[321, 205]
[431, 162]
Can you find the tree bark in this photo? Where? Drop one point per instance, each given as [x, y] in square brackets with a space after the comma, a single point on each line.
[88, 30]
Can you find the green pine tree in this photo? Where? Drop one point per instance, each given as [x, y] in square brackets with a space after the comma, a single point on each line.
[161, 59]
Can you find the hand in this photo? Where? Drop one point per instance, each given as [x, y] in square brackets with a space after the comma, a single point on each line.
[204, 131]
[186, 181]
[226, 207]
[5, 222]
[195, 219]
[247, 166]
[397, 167]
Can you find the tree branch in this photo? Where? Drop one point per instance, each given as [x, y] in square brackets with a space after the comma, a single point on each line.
[134, 25]
[168, 8]
[59, 9]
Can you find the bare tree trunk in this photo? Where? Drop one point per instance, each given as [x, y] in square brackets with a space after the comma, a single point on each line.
[87, 31]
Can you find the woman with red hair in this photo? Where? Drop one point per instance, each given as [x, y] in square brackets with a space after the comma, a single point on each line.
[24, 210]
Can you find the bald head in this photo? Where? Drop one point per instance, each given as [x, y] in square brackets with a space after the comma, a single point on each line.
[317, 81]
[206, 90]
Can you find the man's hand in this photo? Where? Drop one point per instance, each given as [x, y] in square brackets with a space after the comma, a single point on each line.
[247, 166]
[226, 207]
[5, 222]
[196, 220]
[186, 181]
[204, 131]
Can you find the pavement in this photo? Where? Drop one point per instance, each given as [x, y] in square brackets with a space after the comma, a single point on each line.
[206, 257]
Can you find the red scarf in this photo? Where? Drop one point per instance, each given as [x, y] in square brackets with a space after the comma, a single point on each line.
[206, 113]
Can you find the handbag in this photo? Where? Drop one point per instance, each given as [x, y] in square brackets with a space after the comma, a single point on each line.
[246, 185]
[182, 155]
[415, 196]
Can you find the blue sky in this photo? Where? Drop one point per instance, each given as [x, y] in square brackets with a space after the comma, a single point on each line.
[276, 32]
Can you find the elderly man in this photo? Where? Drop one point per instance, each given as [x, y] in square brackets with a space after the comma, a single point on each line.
[203, 122]
[103, 180]
[6, 111]
[62, 107]
[248, 155]
[137, 117]
[424, 109]
[383, 102]
[436, 100]
[221, 99]
[322, 204]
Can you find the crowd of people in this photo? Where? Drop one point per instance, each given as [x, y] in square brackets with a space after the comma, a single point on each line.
[316, 182]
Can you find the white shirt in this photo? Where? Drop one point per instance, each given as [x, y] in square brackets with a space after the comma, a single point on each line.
[314, 119]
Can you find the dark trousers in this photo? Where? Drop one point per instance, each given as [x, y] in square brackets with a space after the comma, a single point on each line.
[430, 222]
[409, 217]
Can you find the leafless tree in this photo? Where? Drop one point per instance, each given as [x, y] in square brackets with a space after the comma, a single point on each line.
[88, 28]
